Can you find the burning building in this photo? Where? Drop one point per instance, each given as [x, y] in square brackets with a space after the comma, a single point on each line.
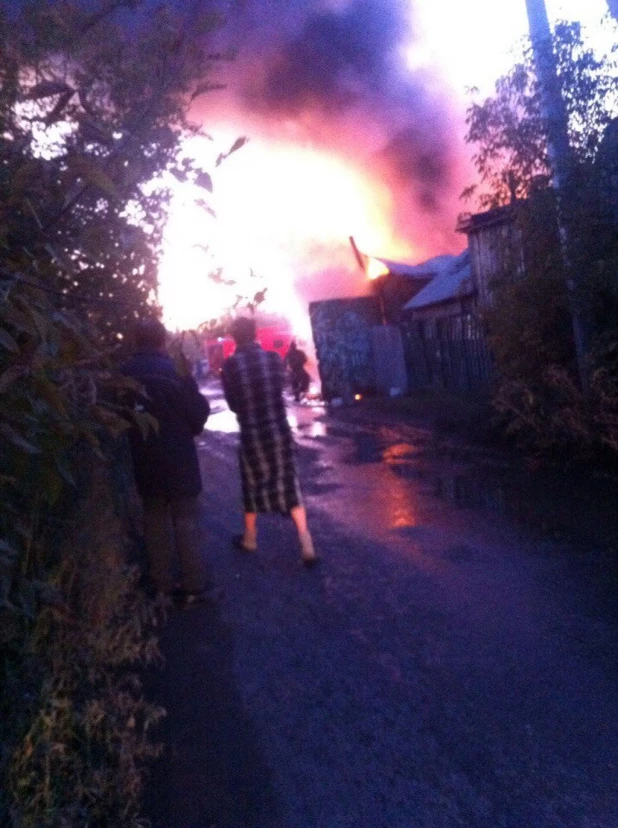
[347, 136]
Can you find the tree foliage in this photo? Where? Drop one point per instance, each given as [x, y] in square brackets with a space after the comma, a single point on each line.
[93, 110]
[530, 320]
[509, 130]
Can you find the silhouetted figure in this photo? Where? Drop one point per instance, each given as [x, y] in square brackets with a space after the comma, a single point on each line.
[253, 382]
[167, 472]
[296, 359]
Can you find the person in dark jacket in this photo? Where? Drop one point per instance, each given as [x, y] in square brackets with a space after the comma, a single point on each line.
[253, 381]
[296, 359]
[165, 462]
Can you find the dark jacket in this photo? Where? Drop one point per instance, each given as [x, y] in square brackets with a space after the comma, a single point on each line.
[165, 462]
[295, 359]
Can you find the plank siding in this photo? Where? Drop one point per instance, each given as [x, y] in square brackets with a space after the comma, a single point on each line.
[495, 254]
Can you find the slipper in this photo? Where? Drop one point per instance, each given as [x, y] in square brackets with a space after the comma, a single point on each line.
[237, 543]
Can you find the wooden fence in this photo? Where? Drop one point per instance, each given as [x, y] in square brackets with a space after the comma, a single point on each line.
[449, 353]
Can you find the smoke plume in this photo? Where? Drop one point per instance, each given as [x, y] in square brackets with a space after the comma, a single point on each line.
[337, 75]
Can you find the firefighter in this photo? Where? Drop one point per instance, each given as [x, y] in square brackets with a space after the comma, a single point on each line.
[295, 360]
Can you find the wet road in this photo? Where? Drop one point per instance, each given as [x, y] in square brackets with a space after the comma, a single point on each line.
[451, 662]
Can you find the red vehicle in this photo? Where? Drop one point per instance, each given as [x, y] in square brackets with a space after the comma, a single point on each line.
[271, 338]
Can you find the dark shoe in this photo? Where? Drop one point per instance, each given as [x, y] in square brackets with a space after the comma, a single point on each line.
[310, 562]
[238, 543]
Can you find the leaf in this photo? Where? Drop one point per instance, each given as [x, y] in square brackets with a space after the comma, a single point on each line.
[146, 423]
[180, 175]
[60, 259]
[48, 88]
[91, 130]
[58, 110]
[238, 143]
[52, 395]
[17, 440]
[113, 422]
[205, 206]
[204, 180]
[204, 88]
[65, 472]
[7, 341]
[86, 168]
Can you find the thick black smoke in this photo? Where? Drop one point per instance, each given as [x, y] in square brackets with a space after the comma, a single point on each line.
[337, 64]
[340, 58]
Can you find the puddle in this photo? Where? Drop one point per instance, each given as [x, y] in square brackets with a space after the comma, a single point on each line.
[551, 504]
[470, 493]
[307, 426]
[399, 454]
[222, 420]
[304, 424]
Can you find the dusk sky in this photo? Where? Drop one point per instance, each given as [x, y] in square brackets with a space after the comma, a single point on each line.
[354, 110]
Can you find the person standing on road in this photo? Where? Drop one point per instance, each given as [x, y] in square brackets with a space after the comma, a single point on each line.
[253, 382]
[296, 359]
[166, 466]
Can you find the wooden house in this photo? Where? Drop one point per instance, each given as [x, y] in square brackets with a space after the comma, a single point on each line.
[450, 293]
[496, 249]
[443, 339]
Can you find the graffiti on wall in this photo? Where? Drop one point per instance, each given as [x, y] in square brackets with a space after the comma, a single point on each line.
[342, 337]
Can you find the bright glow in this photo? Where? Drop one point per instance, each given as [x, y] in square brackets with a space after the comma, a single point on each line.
[376, 268]
[285, 209]
[471, 42]
[279, 208]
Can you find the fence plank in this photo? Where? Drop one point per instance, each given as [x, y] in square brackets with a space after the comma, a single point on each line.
[451, 353]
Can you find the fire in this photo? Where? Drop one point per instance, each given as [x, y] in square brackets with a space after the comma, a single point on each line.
[375, 268]
[283, 213]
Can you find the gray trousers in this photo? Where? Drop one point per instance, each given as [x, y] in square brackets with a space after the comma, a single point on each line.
[174, 540]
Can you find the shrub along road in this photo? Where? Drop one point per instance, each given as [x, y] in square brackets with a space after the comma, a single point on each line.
[451, 662]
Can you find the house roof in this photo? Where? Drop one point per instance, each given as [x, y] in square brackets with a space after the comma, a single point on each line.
[453, 280]
[425, 270]
[478, 221]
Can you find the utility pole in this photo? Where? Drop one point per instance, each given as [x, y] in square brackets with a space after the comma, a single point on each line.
[560, 158]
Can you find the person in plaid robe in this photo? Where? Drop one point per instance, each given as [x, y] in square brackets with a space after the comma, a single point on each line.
[253, 381]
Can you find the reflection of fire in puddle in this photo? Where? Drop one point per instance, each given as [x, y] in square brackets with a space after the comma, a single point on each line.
[314, 429]
[399, 453]
[224, 421]
[306, 427]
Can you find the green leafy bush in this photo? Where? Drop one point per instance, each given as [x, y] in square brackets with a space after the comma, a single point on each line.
[531, 319]
[92, 110]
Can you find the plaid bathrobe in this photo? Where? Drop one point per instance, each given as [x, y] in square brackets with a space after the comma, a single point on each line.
[253, 381]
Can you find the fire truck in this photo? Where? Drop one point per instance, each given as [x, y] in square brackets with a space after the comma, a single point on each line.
[271, 338]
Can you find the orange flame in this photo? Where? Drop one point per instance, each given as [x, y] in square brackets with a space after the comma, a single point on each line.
[375, 268]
